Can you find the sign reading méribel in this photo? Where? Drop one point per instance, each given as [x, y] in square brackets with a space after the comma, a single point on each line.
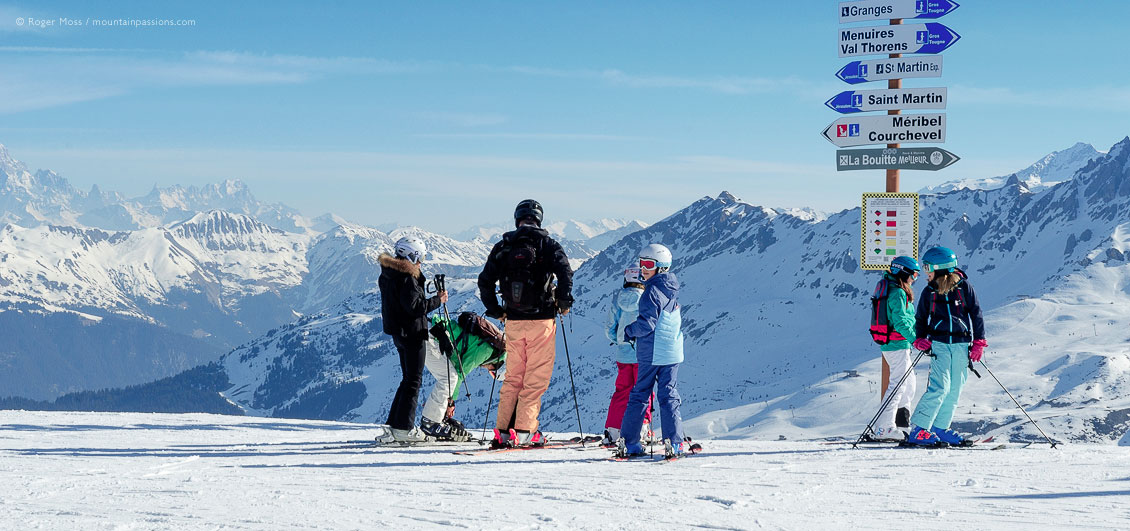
[887, 129]
[891, 9]
[931, 37]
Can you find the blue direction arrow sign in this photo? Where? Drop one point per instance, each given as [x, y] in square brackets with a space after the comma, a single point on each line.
[931, 37]
[897, 68]
[889, 9]
[853, 101]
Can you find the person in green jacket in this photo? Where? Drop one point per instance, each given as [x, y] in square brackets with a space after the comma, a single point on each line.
[451, 355]
[899, 332]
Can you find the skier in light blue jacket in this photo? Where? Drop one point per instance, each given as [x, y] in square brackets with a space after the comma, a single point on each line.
[623, 312]
[658, 335]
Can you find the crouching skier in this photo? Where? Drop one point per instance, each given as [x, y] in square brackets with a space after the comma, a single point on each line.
[404, 309]
[623, 312]
[948, 319]
[658, 335]
[459, 347]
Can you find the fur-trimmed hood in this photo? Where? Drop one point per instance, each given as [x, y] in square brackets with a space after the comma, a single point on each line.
[400, 264]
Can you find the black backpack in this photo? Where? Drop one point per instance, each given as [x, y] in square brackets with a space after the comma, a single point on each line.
[526, 280]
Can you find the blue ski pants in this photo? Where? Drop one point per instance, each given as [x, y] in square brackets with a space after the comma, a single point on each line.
[948, 372]
[666, 376]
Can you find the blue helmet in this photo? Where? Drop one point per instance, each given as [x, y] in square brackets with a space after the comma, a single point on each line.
[940, 259]
[904, 264]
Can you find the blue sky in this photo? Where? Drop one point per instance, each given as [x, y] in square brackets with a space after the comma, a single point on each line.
[445, 114]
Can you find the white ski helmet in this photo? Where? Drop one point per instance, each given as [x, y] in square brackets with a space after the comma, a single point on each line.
[657, 253]
[411, 248]
[632, 274]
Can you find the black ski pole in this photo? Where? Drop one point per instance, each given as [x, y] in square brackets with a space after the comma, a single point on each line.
[576, 405]
[1050, 441]
[887, 401]
[490, 398]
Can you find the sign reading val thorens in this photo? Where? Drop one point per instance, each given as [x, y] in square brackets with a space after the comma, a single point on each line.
[931, 37]
[921, 158]
[853, 101]
[890, 9]
[887, 129]
[888, 229]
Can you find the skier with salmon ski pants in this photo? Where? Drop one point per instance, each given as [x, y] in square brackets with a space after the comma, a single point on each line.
[524, 265]
[894, 337]
[658, 335]
[623, 311]
[949, 324]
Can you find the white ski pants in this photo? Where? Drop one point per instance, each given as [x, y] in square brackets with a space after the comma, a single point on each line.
[899, 360]
[436, 407]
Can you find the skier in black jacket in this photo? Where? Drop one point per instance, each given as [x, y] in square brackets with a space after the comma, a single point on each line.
[524, 265]
[404, 309]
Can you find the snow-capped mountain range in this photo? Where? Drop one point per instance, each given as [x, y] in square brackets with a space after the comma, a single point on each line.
[205, 267]
[1051, 170]
[775, 307]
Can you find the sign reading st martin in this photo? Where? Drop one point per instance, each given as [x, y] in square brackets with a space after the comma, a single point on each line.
[921, 158]
[897, 68]
[904, 38]
[887, 129]
[889, 9]
[853, 101]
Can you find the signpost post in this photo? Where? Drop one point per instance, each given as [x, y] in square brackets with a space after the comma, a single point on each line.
[889, 221]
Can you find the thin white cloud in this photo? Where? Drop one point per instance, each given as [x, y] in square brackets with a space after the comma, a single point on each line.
[461, 119]
[612, 76]
[532, 136]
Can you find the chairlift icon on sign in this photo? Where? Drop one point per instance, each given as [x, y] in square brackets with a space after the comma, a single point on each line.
[862, 70]
[857, 100]
[922, 37]
[920, 6]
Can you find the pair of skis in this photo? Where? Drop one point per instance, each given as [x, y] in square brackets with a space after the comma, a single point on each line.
[620, 453]
[575, 442]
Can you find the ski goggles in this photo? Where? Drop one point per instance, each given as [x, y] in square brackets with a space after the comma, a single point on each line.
[648, 264]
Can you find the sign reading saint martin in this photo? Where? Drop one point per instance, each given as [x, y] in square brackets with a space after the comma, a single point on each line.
[931, 37]
[890, 9]
[887, 129]
[853, 101]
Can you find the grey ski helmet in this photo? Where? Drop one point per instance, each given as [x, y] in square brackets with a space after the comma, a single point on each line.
[411, 248]
[528, 209]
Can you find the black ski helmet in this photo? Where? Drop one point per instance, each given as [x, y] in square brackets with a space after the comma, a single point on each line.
[528, 209]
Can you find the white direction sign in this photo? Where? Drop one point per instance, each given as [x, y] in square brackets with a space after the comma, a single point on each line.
[930, 37]
[853, 101]
[896, 68]
[889, 9]
[887, 129]
[888, 229]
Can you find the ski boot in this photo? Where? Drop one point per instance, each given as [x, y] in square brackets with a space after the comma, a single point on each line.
[672, 451]
[646, 435]
[502, 439]
[412, 436]
[951, 437]
[610, 436]
[528, 438]
[441, 432]
[627, 451]
[902, 418]
[923, 437]
[458, 431]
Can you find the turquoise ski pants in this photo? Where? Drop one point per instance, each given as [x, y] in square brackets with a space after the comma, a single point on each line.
[948, 372]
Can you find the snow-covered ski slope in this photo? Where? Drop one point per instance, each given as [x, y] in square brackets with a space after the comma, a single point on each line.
[157, 471]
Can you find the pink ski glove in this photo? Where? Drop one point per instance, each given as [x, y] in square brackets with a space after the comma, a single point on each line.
[977, 350]
[922, 344]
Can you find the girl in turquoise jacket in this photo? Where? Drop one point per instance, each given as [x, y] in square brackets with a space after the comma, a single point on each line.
[900, 310]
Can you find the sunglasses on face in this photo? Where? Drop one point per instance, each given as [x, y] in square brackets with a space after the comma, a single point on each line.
[648, 264]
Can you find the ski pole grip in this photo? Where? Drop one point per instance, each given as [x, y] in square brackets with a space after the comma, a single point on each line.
[440, 281]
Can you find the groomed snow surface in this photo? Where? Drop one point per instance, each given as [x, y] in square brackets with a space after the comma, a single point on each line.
[157, 471]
